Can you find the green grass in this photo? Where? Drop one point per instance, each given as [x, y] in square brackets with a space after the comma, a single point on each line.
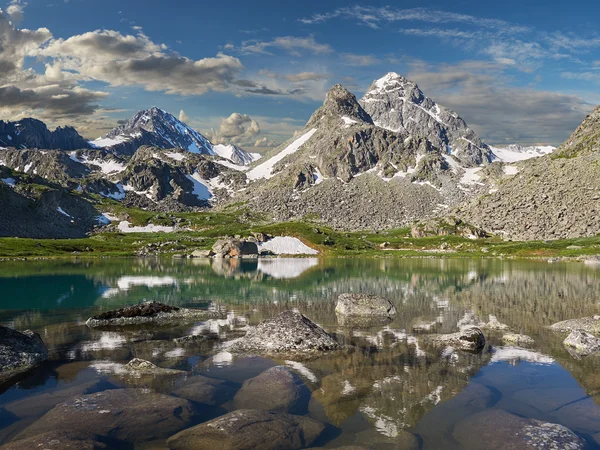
[206, 228]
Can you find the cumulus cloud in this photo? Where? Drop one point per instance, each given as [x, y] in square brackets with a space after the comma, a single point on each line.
[15, 11]
[499, 113]
[183, 116]
[238, 129]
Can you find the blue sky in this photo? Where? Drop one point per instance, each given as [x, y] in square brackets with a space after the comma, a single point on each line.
[524, 72]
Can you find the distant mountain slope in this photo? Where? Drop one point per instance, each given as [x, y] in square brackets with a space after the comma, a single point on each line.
[158, 128]
[32, 133]
[554, 196]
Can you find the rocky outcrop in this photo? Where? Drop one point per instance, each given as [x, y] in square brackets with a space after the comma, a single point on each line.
[19, 352]
[276, 389]
[149, 312]
[235, 248]
[579, 343]
[504, 430]
[448, 226]
[133, 415]
[246, 428]
[469, 339]
[364, 305]
[289, 335]
[587, 324]
[556, 196]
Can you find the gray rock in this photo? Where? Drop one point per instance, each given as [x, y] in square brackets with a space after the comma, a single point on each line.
[469, 339]
[517, 339]
[495, 324]
[505, 431]
[149, 312]
[59, 441]
[205, 390]
[234, 248]
[247, 429]
[133, 415]
[364, 305]
[579, 343]
[19, 352]
[141, 366]
[201, 253]
[290, 334]
[587, 324]
[276, 389]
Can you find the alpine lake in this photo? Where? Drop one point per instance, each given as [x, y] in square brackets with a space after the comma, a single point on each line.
[388, 387]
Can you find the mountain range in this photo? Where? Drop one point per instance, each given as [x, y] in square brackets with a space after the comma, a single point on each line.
[386, 160]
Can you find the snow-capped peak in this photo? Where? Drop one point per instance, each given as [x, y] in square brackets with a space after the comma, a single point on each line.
[391, 82]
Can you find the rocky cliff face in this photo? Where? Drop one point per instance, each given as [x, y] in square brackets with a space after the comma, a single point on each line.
[397, 104]
[555, 196]
[32, 133]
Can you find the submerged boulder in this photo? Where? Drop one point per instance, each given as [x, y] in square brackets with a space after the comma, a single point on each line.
[364, 305]
[19, 352]
[579, 343]
[470, 339]
[133, 415]
[276, 389]
[290, 334]
[503, 430]
[60, 441]
[148, 312]
[250, 429]
[205, 390]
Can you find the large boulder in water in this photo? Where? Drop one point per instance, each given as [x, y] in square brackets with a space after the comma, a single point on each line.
[148, 312]
[579, 343]
[19, 352]
[288, 335]
[506, 431]
[61, 441]
[250, 429]
[587, 324]
[470, 339]
[352, 308]
[276, 389]
[132, 415]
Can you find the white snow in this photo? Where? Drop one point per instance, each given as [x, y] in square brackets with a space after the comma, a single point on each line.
[514, 153]
[27, 167]
[64, 213]
[287, 245]
[120, 195]
[233, 153]
[470, 176]
[511, 170]
[10, 181]
[348, 121]
[286, 268]
[107, 142]
[125, 227]
[265, 169]
[176, 156]
[107, 167]
[516, 354]
[318, 176]
[201, 187]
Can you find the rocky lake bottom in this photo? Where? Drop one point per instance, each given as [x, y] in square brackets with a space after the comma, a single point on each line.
[388, 387]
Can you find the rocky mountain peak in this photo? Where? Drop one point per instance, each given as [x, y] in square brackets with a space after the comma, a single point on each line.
[585, 139]
[33, 133]
[340, 104]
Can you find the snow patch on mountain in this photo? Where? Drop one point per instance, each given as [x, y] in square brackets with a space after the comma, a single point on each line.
[515, 152]
[235, 154]
[202, 188]
[265, 169]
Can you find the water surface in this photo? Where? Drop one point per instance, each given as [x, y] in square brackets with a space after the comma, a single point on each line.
[391, 383]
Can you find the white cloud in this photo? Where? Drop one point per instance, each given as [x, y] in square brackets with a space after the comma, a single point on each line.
[289, 44]
[183, 116]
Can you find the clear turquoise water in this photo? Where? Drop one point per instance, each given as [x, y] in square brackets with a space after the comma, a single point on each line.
[393, 382]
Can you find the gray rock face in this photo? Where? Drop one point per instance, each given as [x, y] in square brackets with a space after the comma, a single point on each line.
[364, 305]
[505, 431]
[545, 200]
[587, 324]
[148, 312]
[290, 334]
[579, 343]
[397, 104]
[247, 429]
[468, 339]
[19, 352]
[276, 389]
[234, 248]
[59, 441]
[133, 415]
[32, 133]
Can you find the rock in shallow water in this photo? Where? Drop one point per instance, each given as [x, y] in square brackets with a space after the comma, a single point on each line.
[276, 389]
[132, 415]
[148, 312]
[579, 343]
[469, 339]
[587, 324]
[290, 334]
[19, 352]
[247, 429]
[209, 391]
[364, 305]
[59, 441]
[517, 339]
[505, 431]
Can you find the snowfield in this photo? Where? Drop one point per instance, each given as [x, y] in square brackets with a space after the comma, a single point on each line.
[265, 169]
[286, 245]
[125, 227]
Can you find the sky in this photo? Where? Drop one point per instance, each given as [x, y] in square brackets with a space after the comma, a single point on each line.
[252, 73]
